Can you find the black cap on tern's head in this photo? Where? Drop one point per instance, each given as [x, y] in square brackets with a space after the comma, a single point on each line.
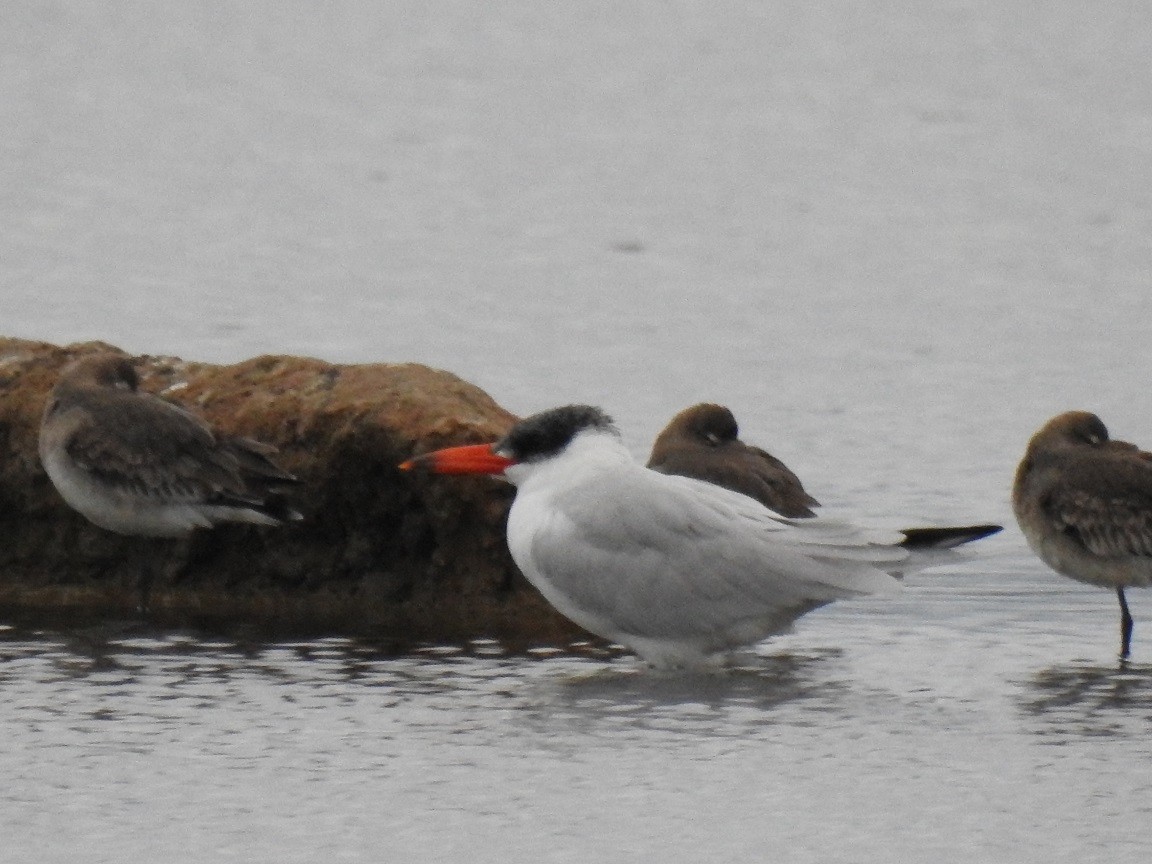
[547, 433]
[101, 370]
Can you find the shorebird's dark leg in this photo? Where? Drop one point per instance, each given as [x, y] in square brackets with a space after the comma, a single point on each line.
[145, 576]
[1125, 624]
[144, 589]
[163, 563]
[152, 560]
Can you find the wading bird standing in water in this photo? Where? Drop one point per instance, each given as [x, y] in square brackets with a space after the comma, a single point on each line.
[1084, 503]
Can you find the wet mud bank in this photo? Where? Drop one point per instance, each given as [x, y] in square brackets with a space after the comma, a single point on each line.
[408, 557]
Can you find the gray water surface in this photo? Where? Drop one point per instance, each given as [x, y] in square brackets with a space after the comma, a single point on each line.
[894, 237]
[939, 727]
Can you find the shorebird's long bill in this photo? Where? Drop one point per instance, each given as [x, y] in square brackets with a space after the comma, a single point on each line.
[471, 459]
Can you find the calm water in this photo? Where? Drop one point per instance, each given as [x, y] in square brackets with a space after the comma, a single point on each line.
[952, 725]
[893, 237]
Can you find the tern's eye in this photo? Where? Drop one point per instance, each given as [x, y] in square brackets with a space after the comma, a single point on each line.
[712, 438]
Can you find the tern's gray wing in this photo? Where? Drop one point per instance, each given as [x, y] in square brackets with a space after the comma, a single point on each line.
[666, 557]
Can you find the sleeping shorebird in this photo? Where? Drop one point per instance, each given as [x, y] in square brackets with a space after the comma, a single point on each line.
[138, 465]
[703, 442]
[1084, 503]
[675, 568]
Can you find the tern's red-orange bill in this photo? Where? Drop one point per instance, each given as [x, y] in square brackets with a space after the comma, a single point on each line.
[470, 459]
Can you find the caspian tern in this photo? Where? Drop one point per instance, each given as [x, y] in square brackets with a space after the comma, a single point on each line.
[674, 568]
[1084, 503]
[138, 465]
[703, 442]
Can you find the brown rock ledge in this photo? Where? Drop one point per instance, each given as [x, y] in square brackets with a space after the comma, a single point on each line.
[401, 557]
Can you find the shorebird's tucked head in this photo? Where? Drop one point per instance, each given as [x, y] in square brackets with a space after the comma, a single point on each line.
[1070, 429]
[113, 371]
[705, 423]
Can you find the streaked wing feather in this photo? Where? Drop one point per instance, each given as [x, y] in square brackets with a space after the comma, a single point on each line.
[1110, 526]
[154, 446]
[1105, 501]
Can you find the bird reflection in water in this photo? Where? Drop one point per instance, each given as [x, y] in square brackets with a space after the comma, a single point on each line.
[1090, 700]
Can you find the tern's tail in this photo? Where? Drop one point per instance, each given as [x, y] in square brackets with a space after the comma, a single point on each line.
[932, 547]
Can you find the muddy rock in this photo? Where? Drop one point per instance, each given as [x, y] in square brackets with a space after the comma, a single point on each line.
[401, 556]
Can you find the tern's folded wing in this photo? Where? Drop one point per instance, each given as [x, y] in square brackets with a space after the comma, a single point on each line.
[685, 558]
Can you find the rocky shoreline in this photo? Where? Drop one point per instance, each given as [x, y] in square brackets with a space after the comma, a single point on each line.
[403, 557]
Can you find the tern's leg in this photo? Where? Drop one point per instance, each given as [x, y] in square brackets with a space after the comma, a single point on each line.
[1125, 624]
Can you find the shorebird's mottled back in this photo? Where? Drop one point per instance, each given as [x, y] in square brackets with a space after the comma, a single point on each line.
[137, 464]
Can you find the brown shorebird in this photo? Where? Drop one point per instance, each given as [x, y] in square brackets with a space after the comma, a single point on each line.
[1084, 503]
[136, 464]
[703, 442]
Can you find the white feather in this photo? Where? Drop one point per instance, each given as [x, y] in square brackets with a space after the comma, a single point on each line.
[674, 567]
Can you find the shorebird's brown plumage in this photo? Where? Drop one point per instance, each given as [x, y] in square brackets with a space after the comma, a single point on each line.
[703, 442]
[137, 464]
[1084, 503]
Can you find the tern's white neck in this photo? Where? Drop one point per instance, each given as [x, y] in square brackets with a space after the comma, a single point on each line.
[589, 452]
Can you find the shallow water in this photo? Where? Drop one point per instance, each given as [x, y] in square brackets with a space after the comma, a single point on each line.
[944, 725]
[894, 238]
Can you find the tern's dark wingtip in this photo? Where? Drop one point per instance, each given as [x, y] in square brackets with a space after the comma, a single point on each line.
[947, 538]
